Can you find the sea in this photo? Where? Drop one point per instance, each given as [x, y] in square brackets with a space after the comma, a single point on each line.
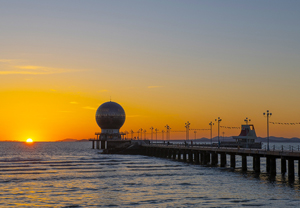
[72, 174]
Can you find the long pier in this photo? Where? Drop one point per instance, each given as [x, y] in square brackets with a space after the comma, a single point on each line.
[206, 155]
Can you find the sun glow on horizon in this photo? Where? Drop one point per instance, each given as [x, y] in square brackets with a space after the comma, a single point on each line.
[29, 140]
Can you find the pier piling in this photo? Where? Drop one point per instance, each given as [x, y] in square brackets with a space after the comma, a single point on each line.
[232, 160]
[283, 165]
[244, 162]
[291, 169]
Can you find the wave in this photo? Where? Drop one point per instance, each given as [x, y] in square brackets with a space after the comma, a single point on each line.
[19, 159]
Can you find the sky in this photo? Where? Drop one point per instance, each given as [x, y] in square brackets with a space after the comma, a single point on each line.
[165, 62]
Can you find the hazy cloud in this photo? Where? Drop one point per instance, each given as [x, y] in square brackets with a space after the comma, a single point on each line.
[150, 87]
[5, 60]
[132, 116]
[73, 102]
[89, 108]
[103, 91]
[11, 67]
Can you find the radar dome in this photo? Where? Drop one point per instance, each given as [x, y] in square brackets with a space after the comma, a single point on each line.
[110, 115]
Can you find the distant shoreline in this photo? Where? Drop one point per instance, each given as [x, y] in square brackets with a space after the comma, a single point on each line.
[215, 139]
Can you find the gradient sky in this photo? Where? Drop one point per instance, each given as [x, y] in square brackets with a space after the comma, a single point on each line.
[165, 62]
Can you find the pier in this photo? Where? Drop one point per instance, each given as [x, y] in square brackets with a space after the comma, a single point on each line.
[207, 155]
[215, 156]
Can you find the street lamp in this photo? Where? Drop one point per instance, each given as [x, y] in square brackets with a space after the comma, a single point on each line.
[268, 114]
[162, 135]
[187, 126]
[126, 132]
[145, 134]
[141, 130]
[131, 131]
[218, 120]
[195, 135]
[247, 120]
[168, 132]
[151, 133]
[156, 130]
[211, 124]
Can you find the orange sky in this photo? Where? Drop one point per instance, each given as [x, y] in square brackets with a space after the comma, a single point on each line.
[193, 62]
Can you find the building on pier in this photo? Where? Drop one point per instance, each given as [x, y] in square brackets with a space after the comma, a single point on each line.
[110, 117]
[247, 136]
[246, 139]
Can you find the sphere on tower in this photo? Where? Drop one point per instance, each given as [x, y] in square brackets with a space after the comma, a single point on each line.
[110, 117]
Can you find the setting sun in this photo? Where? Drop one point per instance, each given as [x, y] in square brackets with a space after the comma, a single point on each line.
[29, 140]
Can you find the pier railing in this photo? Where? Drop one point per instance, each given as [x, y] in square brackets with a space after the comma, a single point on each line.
[280, 151]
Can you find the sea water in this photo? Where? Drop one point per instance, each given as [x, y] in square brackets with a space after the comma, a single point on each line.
[61, 174]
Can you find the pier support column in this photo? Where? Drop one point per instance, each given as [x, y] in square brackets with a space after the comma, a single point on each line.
[268, 164]
[291, 169]
[179, 155]
[299, 168]
[203, 158]
[161, 152]
[191, 159]
[184, 156]
[166, 153]
[244, 163]
[174, 154]
[232, 160]
[272, 165]
[196, 155]
[170, 152]
[156, 152]
[207, 157]
[97, 144]
[93, 144]
[256, 163]
[283, 165]
[223, 159]
[147, 151]
[153, 152]
[214, 159]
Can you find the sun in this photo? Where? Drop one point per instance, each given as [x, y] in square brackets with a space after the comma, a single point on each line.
[29, 140]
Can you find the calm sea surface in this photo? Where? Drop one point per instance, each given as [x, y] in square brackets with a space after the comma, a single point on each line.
[72, 174]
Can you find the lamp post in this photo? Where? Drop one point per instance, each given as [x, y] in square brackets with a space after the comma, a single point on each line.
[211, 124]
[141, 130]
[162, 135]
[151, 133]
[195, 132]
[145, 134]
[187, 126]
[167, 132]
[268, 114]
[247, 120]
[156, 130]
[131, 131]
[218, 120]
